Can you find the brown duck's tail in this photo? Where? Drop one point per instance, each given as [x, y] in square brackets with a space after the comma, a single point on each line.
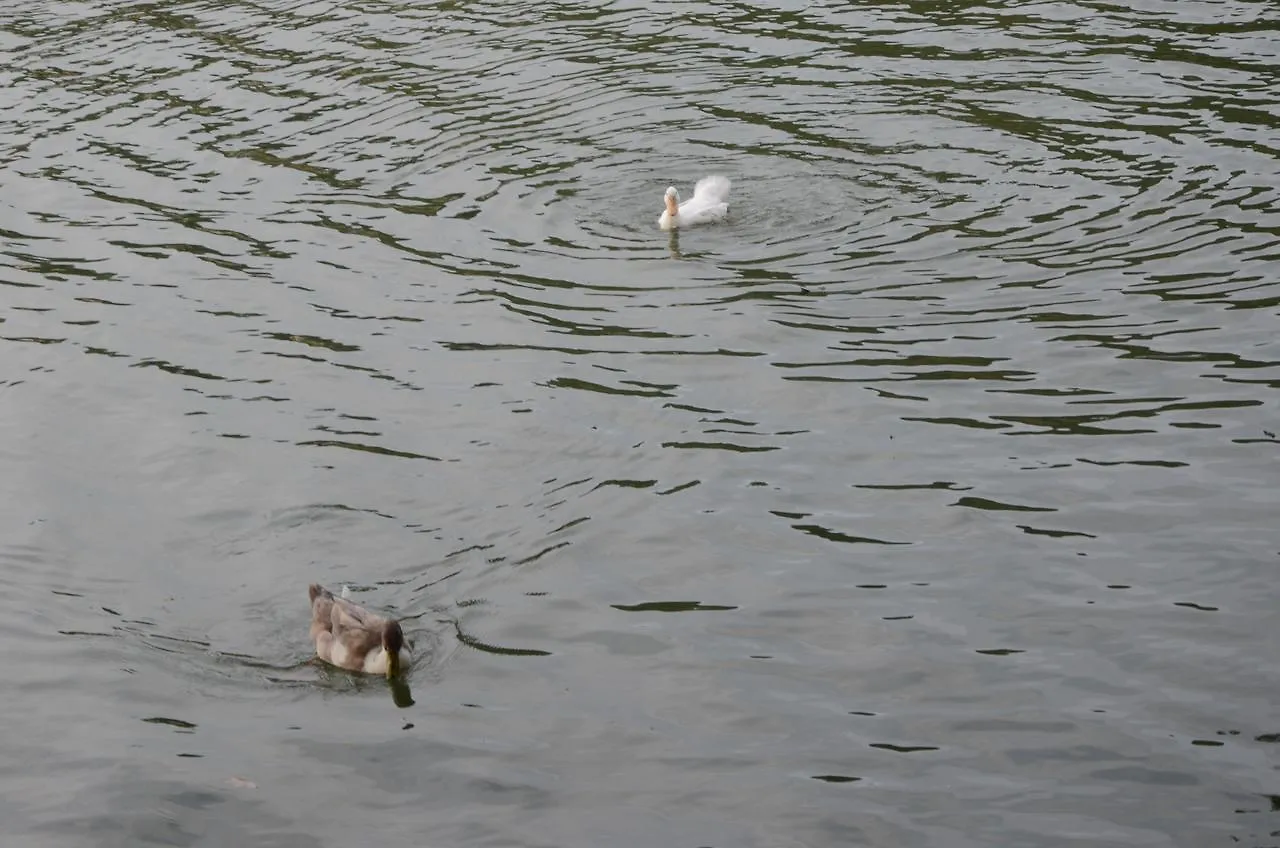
[318, 591]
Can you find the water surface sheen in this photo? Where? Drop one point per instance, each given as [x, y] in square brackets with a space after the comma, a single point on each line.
[930, 500]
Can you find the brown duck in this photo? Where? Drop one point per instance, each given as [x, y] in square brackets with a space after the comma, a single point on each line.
[349, 636]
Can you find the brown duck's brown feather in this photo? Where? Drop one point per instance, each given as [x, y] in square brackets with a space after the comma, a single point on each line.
[321, 605]
[357, 630]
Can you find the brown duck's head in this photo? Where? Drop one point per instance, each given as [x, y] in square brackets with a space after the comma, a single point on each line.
[392, 642]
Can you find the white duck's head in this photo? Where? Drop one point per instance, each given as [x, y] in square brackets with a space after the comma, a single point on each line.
[672, 197]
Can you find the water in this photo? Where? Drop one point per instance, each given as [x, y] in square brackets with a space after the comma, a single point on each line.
[928, 501]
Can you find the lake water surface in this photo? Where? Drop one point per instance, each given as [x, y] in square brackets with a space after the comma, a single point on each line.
[930, 500]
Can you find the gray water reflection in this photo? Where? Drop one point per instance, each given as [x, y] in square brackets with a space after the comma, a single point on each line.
[928, 500]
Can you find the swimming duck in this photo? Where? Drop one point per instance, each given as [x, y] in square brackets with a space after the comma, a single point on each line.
[349, 636]
[710, 202]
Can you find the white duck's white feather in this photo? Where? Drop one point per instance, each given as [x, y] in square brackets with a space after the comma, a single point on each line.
[710, 202]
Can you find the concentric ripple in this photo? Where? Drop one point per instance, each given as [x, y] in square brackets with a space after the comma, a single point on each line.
[926, 500]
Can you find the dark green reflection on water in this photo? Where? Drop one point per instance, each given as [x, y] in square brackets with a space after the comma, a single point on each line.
[673, 606]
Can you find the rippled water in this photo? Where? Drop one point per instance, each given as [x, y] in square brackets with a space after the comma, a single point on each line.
[930, 500]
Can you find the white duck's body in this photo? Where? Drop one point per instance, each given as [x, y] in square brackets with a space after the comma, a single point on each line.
[710, 202]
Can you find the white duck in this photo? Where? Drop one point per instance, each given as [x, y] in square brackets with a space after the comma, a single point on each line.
[710, 202]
